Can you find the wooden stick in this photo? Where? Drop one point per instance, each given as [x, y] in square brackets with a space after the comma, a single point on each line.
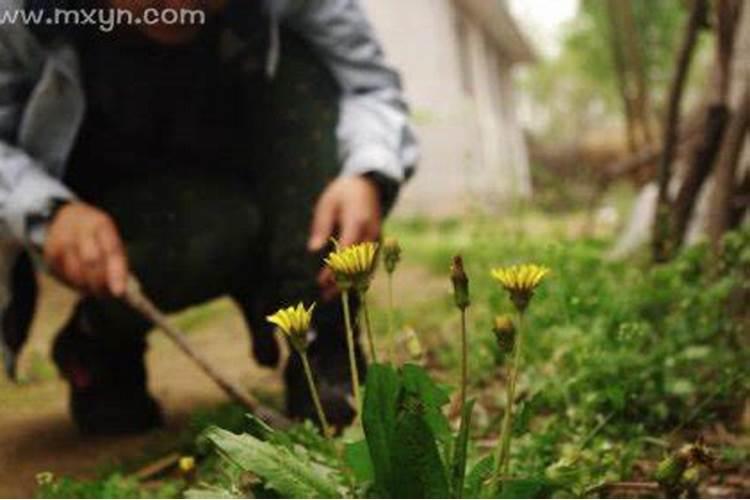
[136, 299]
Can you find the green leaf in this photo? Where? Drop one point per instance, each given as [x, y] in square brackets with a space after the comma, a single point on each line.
[460, 449]
[526, 488]
[478, 476]
[382, 393]
[258, 428]
[282, 470]
[419, 472]
[205, 491]
[357, 457]
[418, 383]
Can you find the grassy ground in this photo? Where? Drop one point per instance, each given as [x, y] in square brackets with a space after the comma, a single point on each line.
[624, 362]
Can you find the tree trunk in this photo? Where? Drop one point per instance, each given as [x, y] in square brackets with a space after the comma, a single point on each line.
[721, 207]
[703, 156]
[662, 246]
[635, 70]
[618, 59]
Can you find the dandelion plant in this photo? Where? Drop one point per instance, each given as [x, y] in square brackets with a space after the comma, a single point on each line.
[461, 298]
[391, 258]
[353, 267]
[294, 322]
[520, 282]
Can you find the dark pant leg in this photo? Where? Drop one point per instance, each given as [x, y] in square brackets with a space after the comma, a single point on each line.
[190, 238]
[298, 113]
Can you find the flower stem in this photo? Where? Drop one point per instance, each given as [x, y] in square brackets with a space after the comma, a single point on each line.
[464, 360]
[315, 395]
[502, 461]
[368, 326]
[350, 345]
[391, 328]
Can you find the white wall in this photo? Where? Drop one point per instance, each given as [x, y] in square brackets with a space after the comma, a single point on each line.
[468, 141]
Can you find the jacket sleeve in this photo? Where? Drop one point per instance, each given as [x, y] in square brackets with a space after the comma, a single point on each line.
[26, 188]
[374, 133]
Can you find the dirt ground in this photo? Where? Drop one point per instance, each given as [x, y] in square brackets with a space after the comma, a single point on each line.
[36, 433]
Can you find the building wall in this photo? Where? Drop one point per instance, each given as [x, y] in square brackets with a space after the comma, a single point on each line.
[461, 94]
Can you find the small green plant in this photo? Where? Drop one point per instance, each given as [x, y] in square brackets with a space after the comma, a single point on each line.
[391, 258]
[353, 267]
[620, 363]
[294, 322]
[407, 449]
[520, 283]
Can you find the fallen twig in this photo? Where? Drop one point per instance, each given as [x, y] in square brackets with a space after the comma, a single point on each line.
[137, 300]
[624, 485]
[157, 467]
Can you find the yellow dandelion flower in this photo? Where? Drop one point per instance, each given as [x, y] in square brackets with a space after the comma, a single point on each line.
[353, 265]
[294, 322]
[520, 281]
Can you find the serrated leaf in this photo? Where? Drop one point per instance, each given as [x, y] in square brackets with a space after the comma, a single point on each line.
[205, 491]
[416, 459]
[478, 476]
[357, 457]
[382, 393]
[281, 469]
[460, 450]
[526, 488]
[418, 383]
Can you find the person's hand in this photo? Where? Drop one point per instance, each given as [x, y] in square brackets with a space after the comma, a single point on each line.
[351, 205]
[83, 248]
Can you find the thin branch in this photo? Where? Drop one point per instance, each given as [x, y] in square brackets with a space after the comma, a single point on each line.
[696, 21]
[136, 299]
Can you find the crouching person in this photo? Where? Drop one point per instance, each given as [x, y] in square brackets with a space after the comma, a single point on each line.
[207, 158]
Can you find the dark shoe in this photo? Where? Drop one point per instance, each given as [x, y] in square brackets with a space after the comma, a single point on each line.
[107, 380]
[101, 413]
[333, 380]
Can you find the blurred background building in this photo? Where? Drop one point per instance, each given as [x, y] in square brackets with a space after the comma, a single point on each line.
[457, 59]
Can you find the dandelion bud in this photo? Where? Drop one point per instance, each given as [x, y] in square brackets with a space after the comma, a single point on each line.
[45, 478]
[187, 464]
[697, 453]
[505, 333]
[460, 283]
[691, 479]
[391, 254]
[670, 470]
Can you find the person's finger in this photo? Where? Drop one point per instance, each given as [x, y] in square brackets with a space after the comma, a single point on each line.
[321, 229]
[116, 261]
[92, 265]
[117, 274]
[353, 225]
[327, 284]
[372, 229]
[71, 270]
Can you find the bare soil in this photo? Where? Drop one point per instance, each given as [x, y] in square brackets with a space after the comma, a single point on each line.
[36, 433]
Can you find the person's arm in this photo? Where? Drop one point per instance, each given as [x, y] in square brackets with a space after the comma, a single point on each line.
[377, 147]
[27, 191]
[79, 243]
[374, 132]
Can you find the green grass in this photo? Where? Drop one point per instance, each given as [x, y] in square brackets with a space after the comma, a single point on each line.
[624, 361]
